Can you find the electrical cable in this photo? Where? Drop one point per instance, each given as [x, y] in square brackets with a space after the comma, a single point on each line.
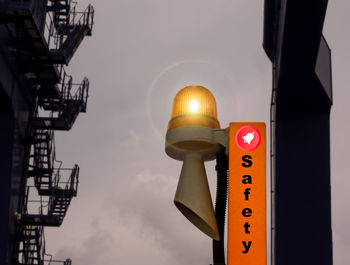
[220, 206]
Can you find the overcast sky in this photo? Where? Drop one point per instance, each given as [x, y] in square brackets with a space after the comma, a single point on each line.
[141, 53]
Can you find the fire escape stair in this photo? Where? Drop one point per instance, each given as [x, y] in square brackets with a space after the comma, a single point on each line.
[58, 207]
[60, 9]
[42, 167]
[42, 178]
[58, 204]
[31, 247]
[70, 45]
[71, 30]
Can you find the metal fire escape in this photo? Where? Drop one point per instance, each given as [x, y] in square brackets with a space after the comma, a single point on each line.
[48, 34]
[71, 27]
[53, 186]
[63, 104]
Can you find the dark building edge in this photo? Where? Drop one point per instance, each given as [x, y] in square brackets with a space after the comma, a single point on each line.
[300, 140]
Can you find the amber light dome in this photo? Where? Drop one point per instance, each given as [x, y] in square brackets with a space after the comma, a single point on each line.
[195, 106]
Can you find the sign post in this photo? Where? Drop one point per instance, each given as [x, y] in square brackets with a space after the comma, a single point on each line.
[247, 194]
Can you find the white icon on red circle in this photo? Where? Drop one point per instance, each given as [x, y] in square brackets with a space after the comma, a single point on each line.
[248, 138]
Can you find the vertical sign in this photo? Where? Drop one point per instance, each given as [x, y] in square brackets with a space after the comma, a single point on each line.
[247, 194]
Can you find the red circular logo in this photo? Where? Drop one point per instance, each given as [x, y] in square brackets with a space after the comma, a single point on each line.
[248, 138]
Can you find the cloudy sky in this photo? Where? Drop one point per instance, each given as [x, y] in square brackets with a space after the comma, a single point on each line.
[141, 53]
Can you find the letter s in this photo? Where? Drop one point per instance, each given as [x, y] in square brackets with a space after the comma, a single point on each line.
[247, 160]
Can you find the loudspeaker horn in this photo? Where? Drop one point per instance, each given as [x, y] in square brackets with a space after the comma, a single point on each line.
[193, 198]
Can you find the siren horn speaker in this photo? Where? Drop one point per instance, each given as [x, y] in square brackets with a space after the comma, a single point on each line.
[193, 198]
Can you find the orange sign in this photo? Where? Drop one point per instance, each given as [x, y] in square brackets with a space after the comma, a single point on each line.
[246, 243]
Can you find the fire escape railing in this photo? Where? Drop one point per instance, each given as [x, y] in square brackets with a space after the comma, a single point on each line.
[64, 37]
[49, 32]
[55, 41]
[54, 186]
[49, 207]
[64, 106]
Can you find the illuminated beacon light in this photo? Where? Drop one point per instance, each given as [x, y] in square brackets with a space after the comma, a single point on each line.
[194, 106]
[190, 138]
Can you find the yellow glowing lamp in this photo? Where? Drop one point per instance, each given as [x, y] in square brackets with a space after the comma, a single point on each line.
[194, 106]
[192, 137]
